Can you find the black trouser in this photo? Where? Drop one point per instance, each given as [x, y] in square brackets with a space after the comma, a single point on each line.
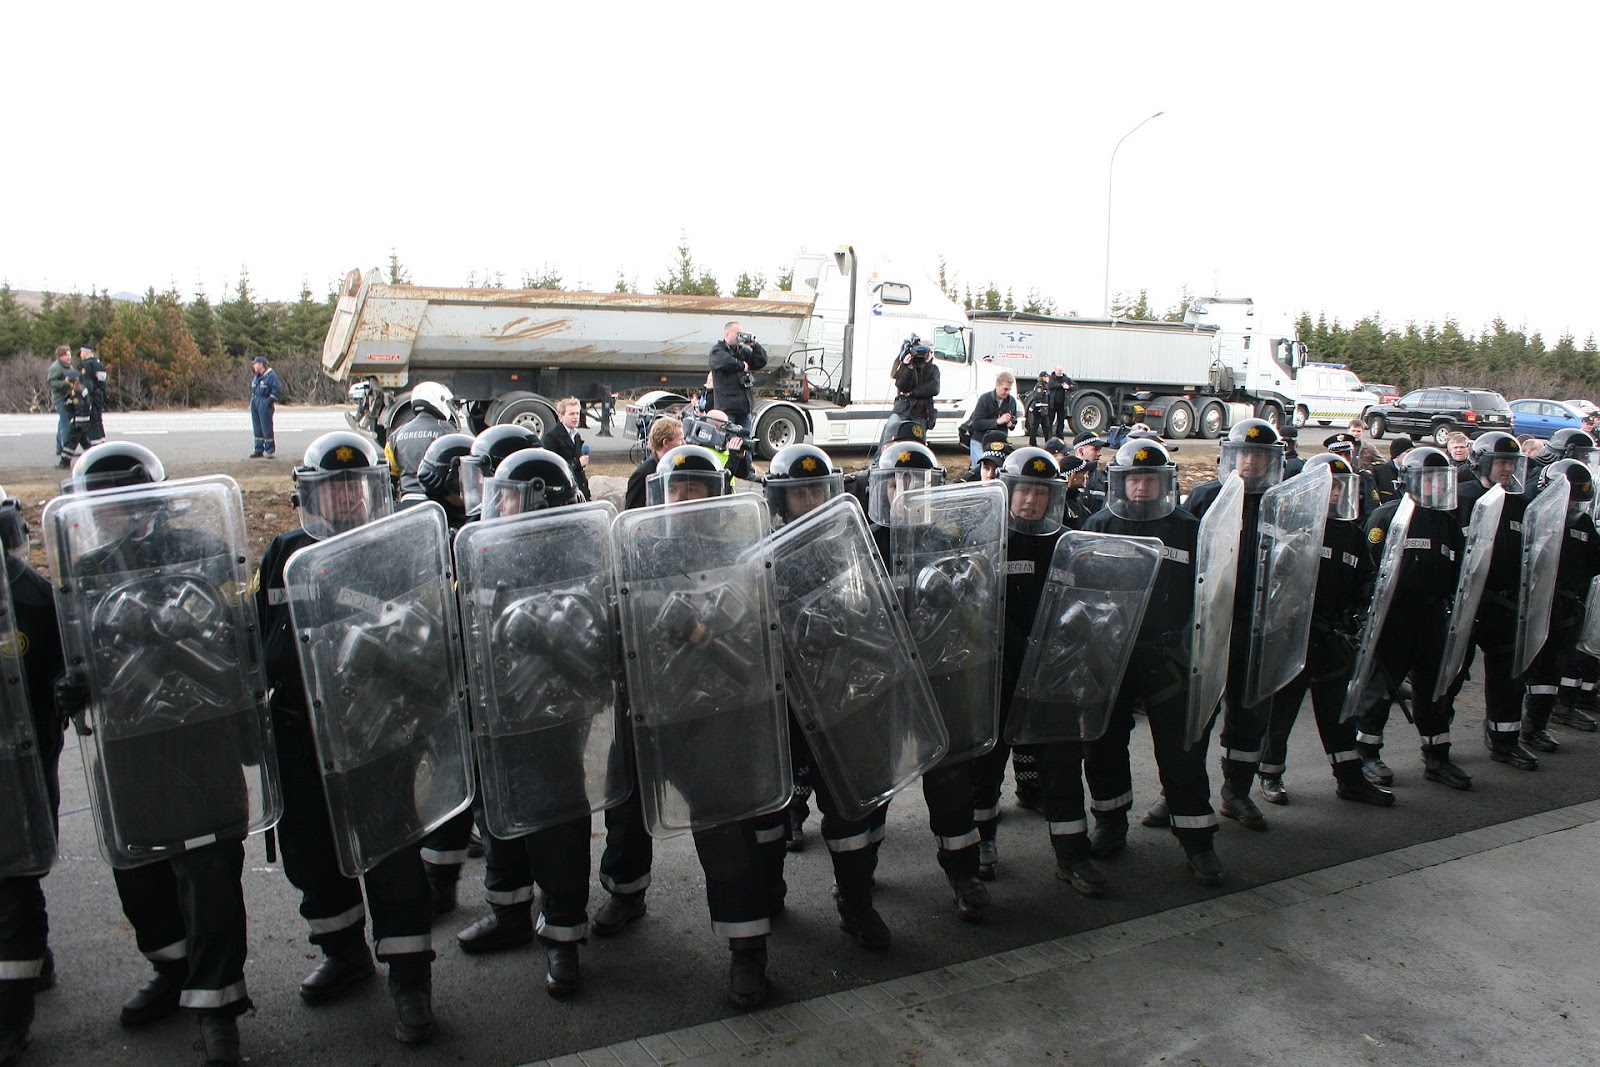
[557, 860]
[739, 865]
[445, 849]
[1326, 676]
[1160, 684]
[1410, 646]
[1496, 635]
[1244, 729]
[1556, 674]
[1061, 797]
[1057, 422]
[331, 902]
[24, 922]
[852, 843]
[947, 790]
[188, 918]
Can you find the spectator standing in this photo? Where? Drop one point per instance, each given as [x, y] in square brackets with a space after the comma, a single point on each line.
[95, 383]
[56, 379]
[265, 392]
[565, 442]
[995, 410]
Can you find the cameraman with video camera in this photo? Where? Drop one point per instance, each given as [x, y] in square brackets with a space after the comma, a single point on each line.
[733, 361]
[916, 383]
[717, 431]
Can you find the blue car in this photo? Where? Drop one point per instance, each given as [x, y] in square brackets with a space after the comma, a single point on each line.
[1541, 418]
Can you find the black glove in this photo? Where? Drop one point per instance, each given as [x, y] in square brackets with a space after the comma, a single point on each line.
[72, 700]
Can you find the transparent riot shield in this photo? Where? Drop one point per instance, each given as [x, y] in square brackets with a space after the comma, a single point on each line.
[949, 569]
[855, 679]
[156, 620]
[1216, 579]
[379, 652]
[1083, 632]
[1482, 529]
[1544, 524]
[1294, 516]
[704, 667]
[543, 663]
[27, 833]
[1394, 547]
[1589, 634]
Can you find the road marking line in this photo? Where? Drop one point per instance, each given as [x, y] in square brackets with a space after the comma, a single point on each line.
[144, 433]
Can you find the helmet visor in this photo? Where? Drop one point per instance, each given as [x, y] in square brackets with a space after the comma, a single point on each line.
[1344, 498]
[470, 471]
[1036, 505]
[681, 486]
[1140, 494]
[790, 498]
[334, 502]
[1260, 466]
[886, 489]
[1507, 470]
[503, 496]
[1432, 487]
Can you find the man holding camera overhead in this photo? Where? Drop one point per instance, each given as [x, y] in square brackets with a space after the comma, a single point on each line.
[916, 383]
[733, 361]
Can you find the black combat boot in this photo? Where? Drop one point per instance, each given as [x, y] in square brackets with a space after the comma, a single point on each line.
[342, 967]
[219, 1039]
[1372, 765]
[561, 978]
[1353, 785]
[411, 989]
[497, 931]
[1436, 767]
[16, 1018]
[157, 998]
[1236, 803]
[859, 919]
[747, 975]
[1074, 866]
[616, 913]
[1110, 833]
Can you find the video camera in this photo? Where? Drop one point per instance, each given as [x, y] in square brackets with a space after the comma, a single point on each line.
[912, 346]
[705, 432]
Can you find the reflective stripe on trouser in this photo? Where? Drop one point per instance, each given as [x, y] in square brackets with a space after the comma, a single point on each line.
[988, 776]
[852, 844]
[1061, 796]
[947, 792]
[1244, 730]
[445, 850]
[1327, 698]
[737, 879]
[556, 859]
[1184, 779]
[1543, 680]
[626, 859]
[397, 895]
[188, 915]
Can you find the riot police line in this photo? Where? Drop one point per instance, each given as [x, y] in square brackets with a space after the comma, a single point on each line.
[504, 644]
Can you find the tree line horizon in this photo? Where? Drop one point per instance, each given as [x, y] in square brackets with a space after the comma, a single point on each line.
[164, 351]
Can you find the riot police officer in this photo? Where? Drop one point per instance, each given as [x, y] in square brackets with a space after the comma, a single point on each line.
[1142, 487]
[1411, 643]
[800, 479]
[1346, 569]
[555, 858]
[1553, 677]
[1348, 446]
[1254, 449]
[430, 420]
[489, 449]
[341, 484]
[187, 909]
[29, 634]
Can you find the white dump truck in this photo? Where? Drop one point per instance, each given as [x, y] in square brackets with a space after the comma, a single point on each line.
[508, 354]
[1219, 365]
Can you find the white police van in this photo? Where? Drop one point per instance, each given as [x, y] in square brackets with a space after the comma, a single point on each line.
[1330, 394]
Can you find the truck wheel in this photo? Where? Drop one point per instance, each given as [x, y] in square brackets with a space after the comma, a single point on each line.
[1090, 413]
[1301, 417]
[777, 429]
[1180, 421]
[1212, 421]
[1441, 434]
[1376, 427]
[533, 415]
[1272, 414]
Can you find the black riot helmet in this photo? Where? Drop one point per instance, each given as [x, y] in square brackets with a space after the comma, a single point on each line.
[1569, 444]
[1142, 482]
[1344, 499]
[341, 483]
[1254, 448]
[1497, 458]
[1036, 491]
[800, 479]
[438, 471]
[489, 449]
[13, 524]
[1429, 478]
[530, 479]
[685, 473]
[1580, 482]
[115, 465]
[902, 466]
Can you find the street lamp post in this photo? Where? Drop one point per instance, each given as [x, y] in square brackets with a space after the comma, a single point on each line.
[1110, 170]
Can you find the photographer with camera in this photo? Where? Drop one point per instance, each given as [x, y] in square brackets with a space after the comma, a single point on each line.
[916, 383]
[718, 431]
[734, 359]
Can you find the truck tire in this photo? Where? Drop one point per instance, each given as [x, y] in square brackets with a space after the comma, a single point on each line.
[1180, 421]
[1302, 416]
[1213, 420]
[777, 428]
[527, 411]
[1272, 414]
[1090, 413]
[1376, 427]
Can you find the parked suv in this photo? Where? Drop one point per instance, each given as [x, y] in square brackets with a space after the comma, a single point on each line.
[1440, 411]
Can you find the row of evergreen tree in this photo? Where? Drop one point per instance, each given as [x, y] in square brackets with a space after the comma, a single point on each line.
[165, 351]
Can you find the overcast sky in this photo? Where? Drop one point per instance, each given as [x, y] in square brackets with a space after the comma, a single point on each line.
[1414, 160]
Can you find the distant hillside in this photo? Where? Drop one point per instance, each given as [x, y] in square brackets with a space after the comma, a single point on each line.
[33, 300]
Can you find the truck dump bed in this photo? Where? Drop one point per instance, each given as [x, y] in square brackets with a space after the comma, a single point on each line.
[1153, 354]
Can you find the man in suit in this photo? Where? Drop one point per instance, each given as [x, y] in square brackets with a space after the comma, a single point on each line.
[564, 441]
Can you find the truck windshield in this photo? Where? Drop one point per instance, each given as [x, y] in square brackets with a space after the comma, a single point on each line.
[949, 347]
